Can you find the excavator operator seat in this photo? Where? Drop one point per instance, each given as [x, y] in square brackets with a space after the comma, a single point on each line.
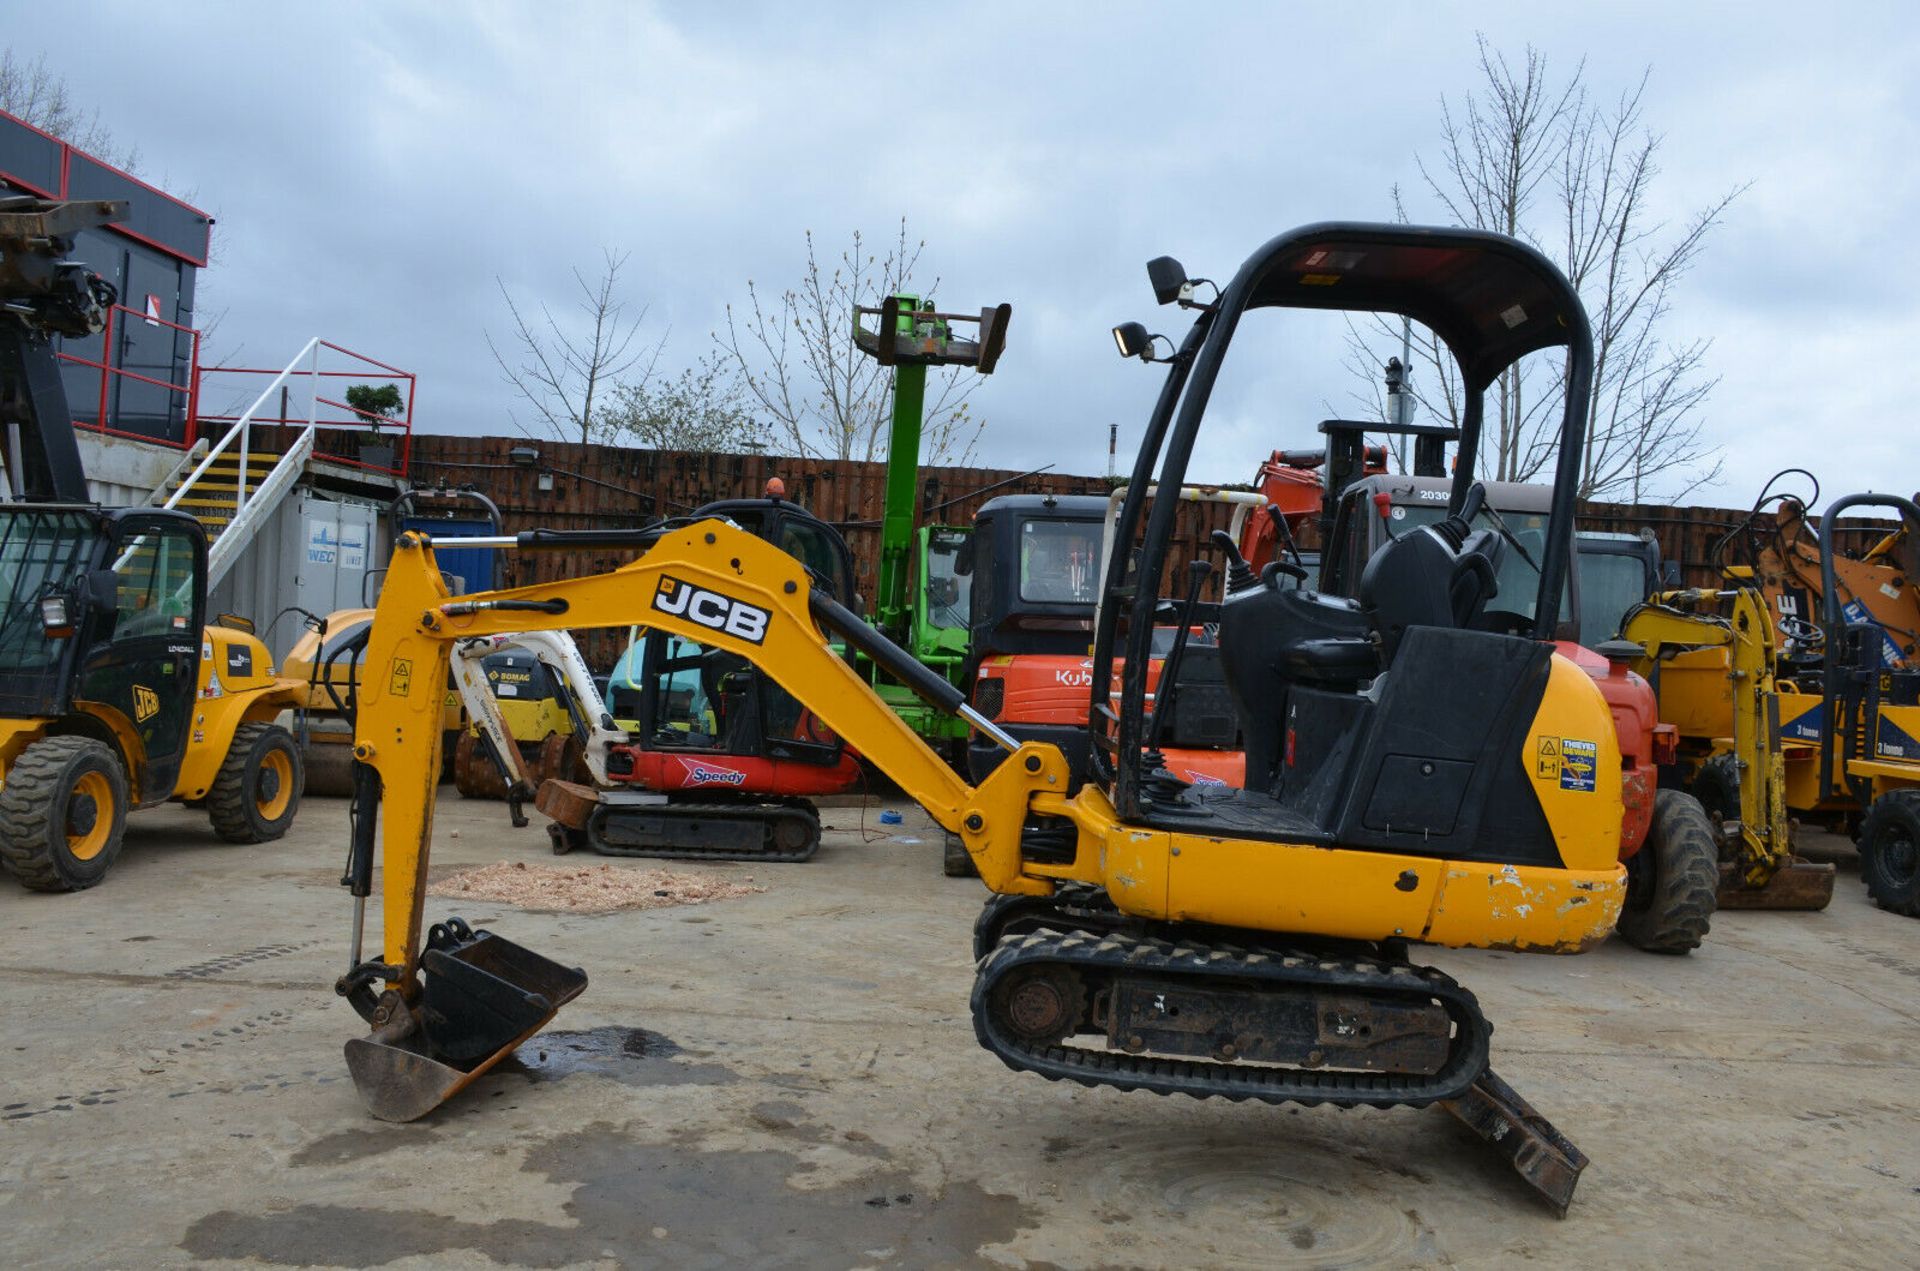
[1432, 576]
[1288, 655]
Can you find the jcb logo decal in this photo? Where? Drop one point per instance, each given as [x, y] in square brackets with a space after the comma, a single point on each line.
[736, 618]
[146, 703]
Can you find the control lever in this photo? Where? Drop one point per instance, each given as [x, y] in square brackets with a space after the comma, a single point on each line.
[1285, 535]
[1240, 578]
[1239, 575]
[1197, 572]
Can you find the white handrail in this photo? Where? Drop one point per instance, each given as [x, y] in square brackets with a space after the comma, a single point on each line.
[311, 353]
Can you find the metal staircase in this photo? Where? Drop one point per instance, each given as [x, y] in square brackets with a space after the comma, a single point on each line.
[233, 488]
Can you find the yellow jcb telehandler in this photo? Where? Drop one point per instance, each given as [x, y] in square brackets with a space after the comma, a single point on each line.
[113, 692]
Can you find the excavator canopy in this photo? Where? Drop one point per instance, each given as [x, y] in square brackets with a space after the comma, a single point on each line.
[1493, 300]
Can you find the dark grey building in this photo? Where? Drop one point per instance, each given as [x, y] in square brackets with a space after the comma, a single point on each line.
[137, 377]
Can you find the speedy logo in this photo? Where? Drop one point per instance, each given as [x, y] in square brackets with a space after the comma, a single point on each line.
[701, 774]
[710, 609]
[146, 703]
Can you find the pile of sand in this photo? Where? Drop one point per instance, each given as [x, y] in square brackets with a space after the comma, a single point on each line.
[586, 889]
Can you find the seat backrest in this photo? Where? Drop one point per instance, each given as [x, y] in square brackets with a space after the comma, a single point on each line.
[1430, 576]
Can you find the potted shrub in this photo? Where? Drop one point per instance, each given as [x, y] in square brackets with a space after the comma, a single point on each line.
[376, 404]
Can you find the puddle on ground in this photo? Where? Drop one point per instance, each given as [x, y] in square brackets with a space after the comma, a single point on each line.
[634, 1056]
[654, 1204]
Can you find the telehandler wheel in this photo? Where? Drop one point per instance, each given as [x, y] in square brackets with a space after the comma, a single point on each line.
[257, 790]
[63, 814]
[1673, 879]
[1717, 786]
[1890, 852]
[955, 861]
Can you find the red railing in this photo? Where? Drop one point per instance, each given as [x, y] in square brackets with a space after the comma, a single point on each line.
[110, 373]
[342, 435]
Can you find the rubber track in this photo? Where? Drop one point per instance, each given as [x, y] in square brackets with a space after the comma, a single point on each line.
[1124, 955]
[1081, 906]
[23, 819]
[765, 813]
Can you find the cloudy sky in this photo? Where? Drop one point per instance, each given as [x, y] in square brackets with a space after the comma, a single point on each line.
[375, 167]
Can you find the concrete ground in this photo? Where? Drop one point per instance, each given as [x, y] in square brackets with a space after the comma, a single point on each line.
[791, 1079]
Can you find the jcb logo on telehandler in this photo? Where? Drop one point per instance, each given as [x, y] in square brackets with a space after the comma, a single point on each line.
[146, 703]
[711, 609]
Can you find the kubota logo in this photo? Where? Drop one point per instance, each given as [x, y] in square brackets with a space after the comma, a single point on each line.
[701, 774]
[146, 703]
[736, 618]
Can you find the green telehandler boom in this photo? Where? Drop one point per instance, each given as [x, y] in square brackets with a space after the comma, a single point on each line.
[929, 618]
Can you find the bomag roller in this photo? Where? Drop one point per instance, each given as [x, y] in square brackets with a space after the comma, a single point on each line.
[114, 694]
[1417, 772]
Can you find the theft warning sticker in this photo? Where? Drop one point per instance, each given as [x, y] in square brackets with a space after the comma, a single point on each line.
[1570, 760]
[1579, 761]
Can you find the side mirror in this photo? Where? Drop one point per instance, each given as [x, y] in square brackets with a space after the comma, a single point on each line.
[963, 558]
[1168, 276]
[1669, 575]
[102, 591]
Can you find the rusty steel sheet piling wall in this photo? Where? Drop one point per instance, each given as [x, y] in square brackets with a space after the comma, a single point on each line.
[602, 486]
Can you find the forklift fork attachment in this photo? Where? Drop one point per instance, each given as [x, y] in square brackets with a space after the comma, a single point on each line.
[480, 997]
[1549, 1162]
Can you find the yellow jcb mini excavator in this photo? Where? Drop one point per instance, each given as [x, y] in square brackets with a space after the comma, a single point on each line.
[1419, 768]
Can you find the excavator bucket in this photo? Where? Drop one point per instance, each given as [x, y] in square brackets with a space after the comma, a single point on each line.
[1798, 884]
[480, 997]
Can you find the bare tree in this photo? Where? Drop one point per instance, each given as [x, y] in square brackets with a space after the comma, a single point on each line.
[703, 408]
[562, 371]
[1544, 163]
[30, 91]
[797, 361]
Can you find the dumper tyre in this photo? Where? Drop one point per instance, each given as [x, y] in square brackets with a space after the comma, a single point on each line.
[63, 814]
[1889, 843]
[1717, 786]
[1672, 881]
[257, 791]
[955, 860]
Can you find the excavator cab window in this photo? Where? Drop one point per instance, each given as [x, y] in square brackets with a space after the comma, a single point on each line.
[808, 542]
[685, 713]
[1617, 572]
[1059, 561]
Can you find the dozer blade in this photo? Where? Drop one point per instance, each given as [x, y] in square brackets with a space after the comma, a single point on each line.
[1543, 1156]
[479, 999]
[1798, 884]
